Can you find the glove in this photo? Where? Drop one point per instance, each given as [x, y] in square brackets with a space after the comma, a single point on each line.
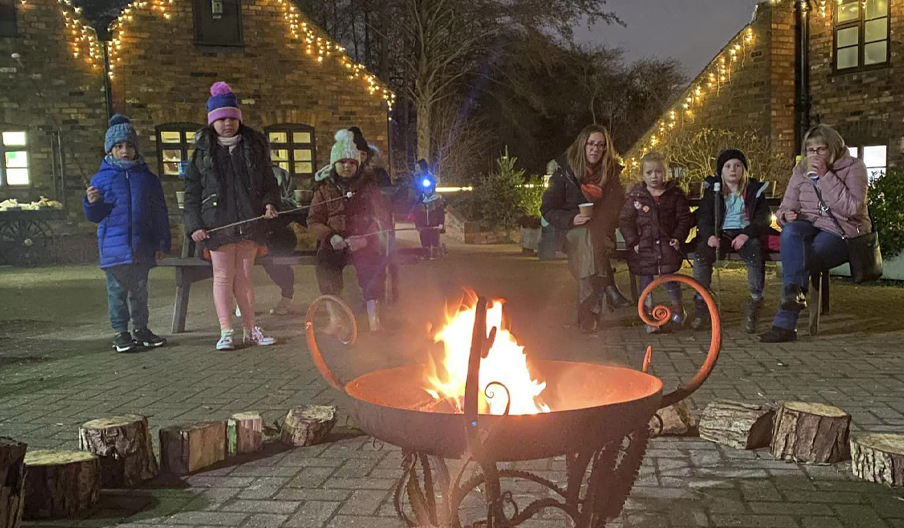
[411, 217]
[338, 243]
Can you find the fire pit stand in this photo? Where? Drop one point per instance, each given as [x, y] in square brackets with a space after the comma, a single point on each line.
[427, 495]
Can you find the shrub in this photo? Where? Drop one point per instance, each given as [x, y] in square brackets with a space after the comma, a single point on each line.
[886, 210]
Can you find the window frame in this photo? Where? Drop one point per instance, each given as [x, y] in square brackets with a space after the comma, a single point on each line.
[12, 8]
[860, 24]
[186, 143]
[291, 146]
[4, 181]
[861, 148]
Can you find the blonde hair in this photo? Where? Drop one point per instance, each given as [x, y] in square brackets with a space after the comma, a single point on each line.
[654, 156]
[828, 135]
[577, 157]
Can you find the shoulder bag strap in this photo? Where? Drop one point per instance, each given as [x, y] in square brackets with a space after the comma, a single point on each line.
[825, 209]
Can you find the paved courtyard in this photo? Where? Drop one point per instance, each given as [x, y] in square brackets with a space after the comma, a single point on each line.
[57, 371]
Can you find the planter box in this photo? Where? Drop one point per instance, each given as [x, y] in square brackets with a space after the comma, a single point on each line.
[530, 239]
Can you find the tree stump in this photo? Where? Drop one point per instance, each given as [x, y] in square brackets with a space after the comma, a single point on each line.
[736, 424]
[309, 425]
[244, 433]
[125, 449]
[878, 458]
[188, 448]
[12, 482]
[811, 432]
[676, 419]
[60, 484]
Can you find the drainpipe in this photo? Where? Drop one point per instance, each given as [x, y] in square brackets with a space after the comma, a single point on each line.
[802, 90]
[108, 89]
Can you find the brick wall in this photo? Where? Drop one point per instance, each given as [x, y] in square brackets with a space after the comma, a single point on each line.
[72, 90]
[866, 107]
[748, 87]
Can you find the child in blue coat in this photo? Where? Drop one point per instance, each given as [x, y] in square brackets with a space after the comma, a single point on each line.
[126, 200]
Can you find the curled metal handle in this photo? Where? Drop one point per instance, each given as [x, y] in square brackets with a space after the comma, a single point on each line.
[316, 356]
[661, 315]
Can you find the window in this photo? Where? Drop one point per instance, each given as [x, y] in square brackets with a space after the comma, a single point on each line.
[218, 22]
[14, 163]
[175, 143]
[292, 148]
[861, 33]
[7, 18]
[875, 157]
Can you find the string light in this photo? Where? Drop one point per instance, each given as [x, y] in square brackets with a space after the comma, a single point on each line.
[83, 41]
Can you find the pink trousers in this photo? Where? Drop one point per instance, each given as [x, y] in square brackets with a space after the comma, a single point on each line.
[232, 265]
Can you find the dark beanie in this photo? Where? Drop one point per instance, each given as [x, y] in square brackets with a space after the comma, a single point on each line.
[729, 154]
[360, 142]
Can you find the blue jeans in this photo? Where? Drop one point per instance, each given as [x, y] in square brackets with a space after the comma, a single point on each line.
[127, 296]
[806, 249]
[673, 289]
[751, 253]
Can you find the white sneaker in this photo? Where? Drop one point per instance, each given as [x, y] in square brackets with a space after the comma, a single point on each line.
[225, 342]
[238, 313]
[257, 337]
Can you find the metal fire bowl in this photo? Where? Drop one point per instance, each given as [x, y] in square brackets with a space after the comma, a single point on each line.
[591, 406]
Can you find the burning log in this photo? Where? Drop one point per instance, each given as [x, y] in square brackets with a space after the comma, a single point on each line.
[188, 448]
[811, 432]
[60, 484]
[306, 426]
[736, 424]
[244, 434]
[123, 444]
[878, 458]
[12, 482]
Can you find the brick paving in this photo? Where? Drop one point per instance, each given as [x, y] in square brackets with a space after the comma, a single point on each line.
[58, 372]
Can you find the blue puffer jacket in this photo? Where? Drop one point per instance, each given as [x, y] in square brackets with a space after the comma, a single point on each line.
[132, 219]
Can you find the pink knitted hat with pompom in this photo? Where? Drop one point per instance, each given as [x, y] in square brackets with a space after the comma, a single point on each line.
[222, 103]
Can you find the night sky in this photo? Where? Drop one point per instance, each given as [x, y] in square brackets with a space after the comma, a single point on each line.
[692, 31]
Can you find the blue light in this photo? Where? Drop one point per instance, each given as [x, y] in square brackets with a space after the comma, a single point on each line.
[426, 182]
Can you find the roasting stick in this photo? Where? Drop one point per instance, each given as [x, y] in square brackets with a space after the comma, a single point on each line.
[261, 217]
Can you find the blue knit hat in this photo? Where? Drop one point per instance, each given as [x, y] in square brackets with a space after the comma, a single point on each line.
[222, 103]
[121, 129]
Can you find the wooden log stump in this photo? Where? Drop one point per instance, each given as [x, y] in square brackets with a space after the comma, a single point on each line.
[309, 425]
[811, 433]
[124, 446]
[188, 448]
[12, 482]
[676, 419]
[878, 458]
[244, 434]
[736, 424]
[60, 484]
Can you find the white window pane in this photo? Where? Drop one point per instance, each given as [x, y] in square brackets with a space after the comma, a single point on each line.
[848, 37]
[17, 177]
[876, 8]
[874, 174]
[847, 58]
[278, 137]
[280, 155]
[874, 157]
[853, 151]
[876, 30]
[875, 53]
[17, 159]
[304, 168]
[172, 155]
[849, 10]
[171, 136]
[171, 169]
[14, 139]
[284, 166]
[303, 155]
[301, 137]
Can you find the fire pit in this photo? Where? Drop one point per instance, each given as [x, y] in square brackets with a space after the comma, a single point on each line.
[460, 407]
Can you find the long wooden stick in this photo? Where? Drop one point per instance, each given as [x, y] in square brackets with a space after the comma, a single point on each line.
[261, 217]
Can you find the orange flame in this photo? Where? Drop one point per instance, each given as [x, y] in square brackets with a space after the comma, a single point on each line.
[506, 363]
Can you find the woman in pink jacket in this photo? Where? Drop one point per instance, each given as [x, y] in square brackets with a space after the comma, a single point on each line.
[810, 239]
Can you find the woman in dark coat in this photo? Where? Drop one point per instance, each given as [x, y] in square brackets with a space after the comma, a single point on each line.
[588, 174]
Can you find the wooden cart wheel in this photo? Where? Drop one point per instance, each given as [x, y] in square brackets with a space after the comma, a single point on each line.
[23, 241]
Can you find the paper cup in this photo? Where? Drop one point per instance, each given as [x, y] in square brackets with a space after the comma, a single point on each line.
[180, 199]
[586, 209]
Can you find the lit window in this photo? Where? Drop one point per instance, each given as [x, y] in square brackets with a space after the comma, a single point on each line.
[292, 149]
[861, 33]
[14, 162]
[875, 160]
[175, 144]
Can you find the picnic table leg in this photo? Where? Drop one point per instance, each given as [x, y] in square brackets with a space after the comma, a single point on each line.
[824, 282]
[815, 307]
[634, 292]
[180, 309]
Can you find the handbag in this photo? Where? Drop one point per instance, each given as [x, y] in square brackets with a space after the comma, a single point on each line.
[864, 254]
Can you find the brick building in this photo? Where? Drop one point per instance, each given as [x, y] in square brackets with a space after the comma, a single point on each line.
[155, 63]
[797, 63]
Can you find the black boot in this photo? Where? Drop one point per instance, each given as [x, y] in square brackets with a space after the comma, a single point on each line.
[752, 315]
[777, 334]
[793, 298]
[701, 316]
[614, 299]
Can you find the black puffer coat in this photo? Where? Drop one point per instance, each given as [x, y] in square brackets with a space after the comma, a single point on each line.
[651, 224]
[755, 205]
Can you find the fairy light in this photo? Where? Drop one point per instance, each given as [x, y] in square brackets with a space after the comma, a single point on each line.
[82, 38]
